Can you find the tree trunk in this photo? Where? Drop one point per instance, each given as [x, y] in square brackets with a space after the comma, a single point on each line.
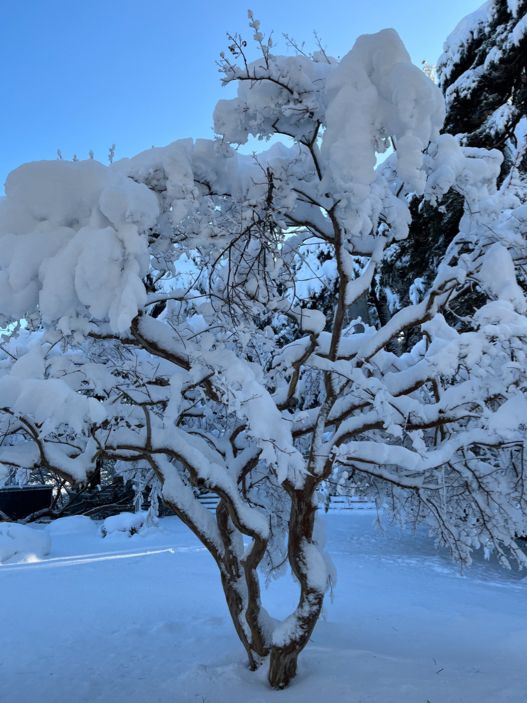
[234, 604]
[283, 659]
[243, 600]
[282, 665]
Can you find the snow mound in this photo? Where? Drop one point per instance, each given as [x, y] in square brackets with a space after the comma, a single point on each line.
[124, 523]
[78, 524]
[22, 543]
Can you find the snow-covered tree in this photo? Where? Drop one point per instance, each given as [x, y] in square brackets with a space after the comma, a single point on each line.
[483, 75]
[167, 329]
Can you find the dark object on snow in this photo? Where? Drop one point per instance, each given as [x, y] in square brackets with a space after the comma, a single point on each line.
[101, 501]
[19, 502]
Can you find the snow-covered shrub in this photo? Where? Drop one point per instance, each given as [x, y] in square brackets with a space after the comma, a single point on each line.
[125, 524]
[22, 543]
[168, 331]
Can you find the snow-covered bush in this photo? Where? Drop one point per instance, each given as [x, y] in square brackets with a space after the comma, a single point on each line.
[125, 524]
[167, 330]
[22, 543]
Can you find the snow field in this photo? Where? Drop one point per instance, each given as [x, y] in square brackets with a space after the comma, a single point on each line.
[142, 619]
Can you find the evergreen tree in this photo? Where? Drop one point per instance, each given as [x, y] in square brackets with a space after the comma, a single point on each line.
[482, 73]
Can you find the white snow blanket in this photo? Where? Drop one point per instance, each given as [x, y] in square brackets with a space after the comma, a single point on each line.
[143, 618]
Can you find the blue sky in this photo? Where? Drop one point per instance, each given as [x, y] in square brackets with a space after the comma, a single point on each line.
[80, 75]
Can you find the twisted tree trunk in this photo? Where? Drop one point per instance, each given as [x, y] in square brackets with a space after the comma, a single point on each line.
[285, 652]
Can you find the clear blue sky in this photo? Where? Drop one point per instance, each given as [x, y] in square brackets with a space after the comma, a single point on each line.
[83, 74]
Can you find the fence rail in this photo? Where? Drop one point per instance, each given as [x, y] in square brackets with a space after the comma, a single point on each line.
[211, 500]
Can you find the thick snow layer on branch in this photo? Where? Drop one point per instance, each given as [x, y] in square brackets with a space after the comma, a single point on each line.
[50, 402]
[261, 103]
[181, 496]
[265, 422]
[312, 320]
[315, 565]
[24, 456]
[497, 276]
[376, 89]
[200, 458]
[465, 31]
[71, 242]
[509, 417]
[472, 171]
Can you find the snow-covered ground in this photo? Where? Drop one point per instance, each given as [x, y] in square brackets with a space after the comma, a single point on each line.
[142, 620]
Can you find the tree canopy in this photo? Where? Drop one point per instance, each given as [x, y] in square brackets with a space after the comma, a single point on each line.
[168, 328]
